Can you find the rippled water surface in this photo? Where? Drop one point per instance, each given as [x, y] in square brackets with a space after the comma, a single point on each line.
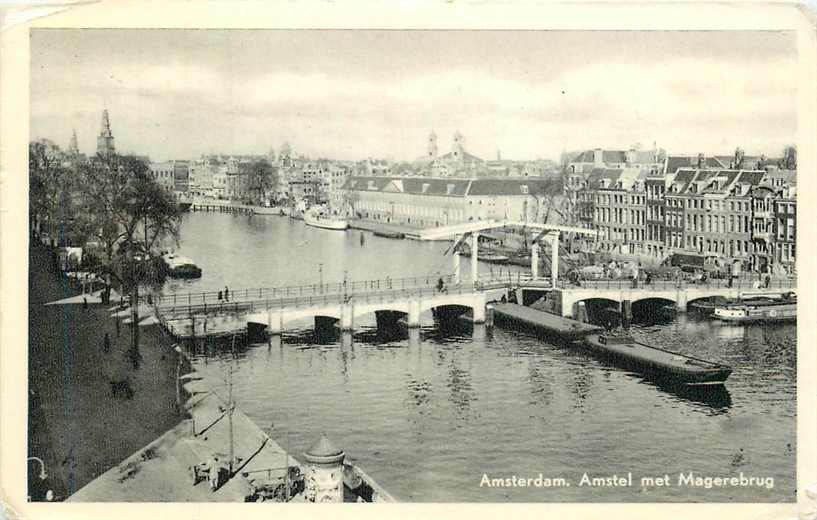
[428, 414]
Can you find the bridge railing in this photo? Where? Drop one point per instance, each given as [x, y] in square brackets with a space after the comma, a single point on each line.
[742, 283]
[181, 310]
[318, 289]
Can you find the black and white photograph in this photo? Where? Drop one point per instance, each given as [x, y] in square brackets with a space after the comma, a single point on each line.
[419, 265]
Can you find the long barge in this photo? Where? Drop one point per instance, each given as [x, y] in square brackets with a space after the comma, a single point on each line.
[541, 322]
[658, 363]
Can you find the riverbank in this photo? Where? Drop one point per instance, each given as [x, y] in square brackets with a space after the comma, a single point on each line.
[75, 425]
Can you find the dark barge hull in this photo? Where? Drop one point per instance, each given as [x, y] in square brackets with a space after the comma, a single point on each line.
[659, 364]
[532, 320]
[389, 234]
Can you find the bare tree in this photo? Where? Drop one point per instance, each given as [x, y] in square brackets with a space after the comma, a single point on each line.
[130, 214]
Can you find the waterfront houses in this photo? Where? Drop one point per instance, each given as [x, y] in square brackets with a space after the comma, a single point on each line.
[728, 216]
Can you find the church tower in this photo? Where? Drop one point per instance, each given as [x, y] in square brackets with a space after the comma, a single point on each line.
[285, 156]
[73, 145]
[104, 142]
[459, 146]
[432, 146]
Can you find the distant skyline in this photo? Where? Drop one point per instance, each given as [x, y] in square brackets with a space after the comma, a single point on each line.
[352, 94]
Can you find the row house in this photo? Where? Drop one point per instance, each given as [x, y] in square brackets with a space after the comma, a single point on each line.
[728, 215]
[614, 204]
[711, 213]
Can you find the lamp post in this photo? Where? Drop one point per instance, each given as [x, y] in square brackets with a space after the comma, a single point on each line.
[49, 494]
[320, 276]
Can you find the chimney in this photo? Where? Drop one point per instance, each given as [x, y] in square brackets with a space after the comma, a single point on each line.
[598, 158]
[701, 160]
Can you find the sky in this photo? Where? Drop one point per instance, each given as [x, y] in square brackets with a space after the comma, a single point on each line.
[352, 94]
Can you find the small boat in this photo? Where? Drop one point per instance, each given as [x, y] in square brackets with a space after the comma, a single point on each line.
[657, 363]
[487, 255]
[181, 267]
[785, 310]
[319, 220]
[389, 234]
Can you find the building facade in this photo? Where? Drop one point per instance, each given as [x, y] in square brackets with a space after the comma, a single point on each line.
[434, 202]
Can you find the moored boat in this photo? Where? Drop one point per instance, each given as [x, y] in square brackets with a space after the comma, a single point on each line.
[547, 323]
[389, 234]
[785, 310]
[325, 221]
[657, 363]
[181, 267]
[708, 306]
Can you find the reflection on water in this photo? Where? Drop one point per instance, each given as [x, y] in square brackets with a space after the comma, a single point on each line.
[428, 411]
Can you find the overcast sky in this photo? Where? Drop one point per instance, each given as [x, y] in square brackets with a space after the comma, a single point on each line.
[176, 94]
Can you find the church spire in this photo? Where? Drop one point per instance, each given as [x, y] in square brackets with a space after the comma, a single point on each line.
[73, 146]
[104, 142]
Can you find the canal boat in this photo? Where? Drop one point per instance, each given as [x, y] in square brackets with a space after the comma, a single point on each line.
[181, 267]
[657, 363]
[319, 220]
[389, 234]
[707, 307]
[784, 310]
[529, 319]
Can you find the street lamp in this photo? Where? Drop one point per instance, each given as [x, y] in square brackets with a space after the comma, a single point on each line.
[49, 495]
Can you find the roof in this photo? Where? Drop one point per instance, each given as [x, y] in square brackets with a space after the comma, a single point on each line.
[515, 186]
[607, 156]
[675, 162]
[594, 180]
[722, 181]
[466, 157]
[455, 187]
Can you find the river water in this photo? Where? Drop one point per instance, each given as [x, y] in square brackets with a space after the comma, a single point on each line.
[429, 414]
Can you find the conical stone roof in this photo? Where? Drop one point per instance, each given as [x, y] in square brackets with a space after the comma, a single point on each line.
[324, 452]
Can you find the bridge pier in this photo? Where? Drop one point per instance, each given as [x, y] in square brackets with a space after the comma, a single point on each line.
[534, 260]
[479, 311]
[347, 317]
[681, 300]
[275, 322]
[474, 254]
[414, 314]
[456, 256]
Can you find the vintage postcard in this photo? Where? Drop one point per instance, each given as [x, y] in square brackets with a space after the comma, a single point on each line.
[473, 254]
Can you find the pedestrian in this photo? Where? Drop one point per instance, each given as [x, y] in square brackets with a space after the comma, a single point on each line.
[768, 280]
[219, 296]
[226, 294]
[84, 303]
[106, 343]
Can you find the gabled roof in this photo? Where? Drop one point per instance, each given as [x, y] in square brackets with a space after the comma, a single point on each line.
[607, 156]
[675, 162]
[598, 175]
